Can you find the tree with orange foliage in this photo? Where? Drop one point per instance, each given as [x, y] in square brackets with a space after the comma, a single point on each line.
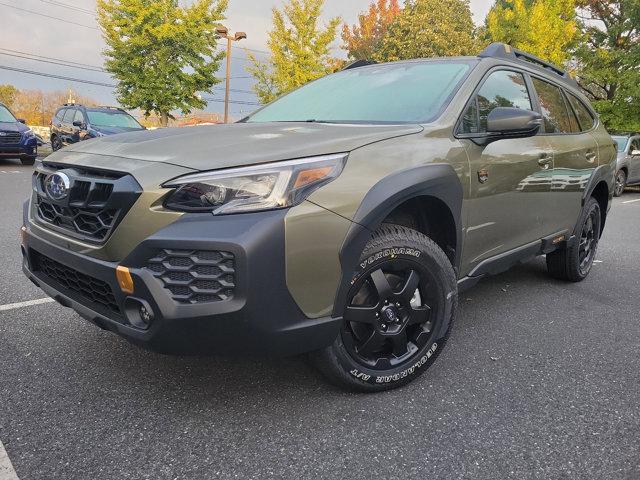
[361, 40]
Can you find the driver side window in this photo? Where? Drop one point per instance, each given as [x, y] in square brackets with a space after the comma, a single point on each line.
[503, 88]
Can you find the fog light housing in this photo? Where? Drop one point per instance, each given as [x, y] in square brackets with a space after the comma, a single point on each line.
[139, 313]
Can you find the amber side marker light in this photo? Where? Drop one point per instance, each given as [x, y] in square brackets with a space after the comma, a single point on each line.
[125, 281]
[309, 176]
[23, 236]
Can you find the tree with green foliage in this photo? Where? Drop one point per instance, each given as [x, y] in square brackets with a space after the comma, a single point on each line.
[545, 28]
[608, 60]
[300, 49]
[162, 54]
[429, 28]
[363, 39]
[8, 94]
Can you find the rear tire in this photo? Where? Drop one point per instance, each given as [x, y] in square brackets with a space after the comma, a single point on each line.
[28, 160]
[621, 183]
[574, 263]
[398, 316]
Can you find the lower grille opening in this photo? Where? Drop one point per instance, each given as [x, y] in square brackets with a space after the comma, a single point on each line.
[195, 276]
[91, 291]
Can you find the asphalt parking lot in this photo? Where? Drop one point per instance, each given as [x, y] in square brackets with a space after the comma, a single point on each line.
[540, 379]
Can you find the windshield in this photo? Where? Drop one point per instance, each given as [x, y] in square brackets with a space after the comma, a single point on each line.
[621, 142]
[115, 118]
[395, 93]
[6, 116]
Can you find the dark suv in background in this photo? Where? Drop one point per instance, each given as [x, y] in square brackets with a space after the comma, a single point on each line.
[16, 139]
[73, 123]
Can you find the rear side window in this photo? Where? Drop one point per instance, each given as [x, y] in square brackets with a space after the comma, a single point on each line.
[79, 117]
[501, 89]
[68, 115]
[585, 118]
[554, 110]
[635, 146]
[60, 114]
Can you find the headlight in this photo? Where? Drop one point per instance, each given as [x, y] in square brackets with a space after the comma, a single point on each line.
[259, 187]
[29, 133]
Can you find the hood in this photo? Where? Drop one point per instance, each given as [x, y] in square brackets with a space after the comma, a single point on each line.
[114, 130]
[13, 127]
[221, 146]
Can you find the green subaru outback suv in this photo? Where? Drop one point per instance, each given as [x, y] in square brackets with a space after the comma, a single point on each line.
[340, 221]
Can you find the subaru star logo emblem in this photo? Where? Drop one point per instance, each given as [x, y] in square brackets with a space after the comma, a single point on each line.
[57, 186]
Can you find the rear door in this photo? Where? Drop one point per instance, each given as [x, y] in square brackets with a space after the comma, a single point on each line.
[509, 178]
[575, 157]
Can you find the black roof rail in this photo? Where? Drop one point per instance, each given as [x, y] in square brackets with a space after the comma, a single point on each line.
[358, 64]
[108, 107]
[502, 50]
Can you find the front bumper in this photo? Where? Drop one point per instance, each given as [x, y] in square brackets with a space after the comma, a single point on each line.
[260, 318]
[27, 148]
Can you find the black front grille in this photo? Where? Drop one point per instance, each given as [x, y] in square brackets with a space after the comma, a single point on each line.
[10, 138]
[95, 292]
[91, 222]
[195, 276]
[95, 204]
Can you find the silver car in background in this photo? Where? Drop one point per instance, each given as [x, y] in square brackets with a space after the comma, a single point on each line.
[628, 168]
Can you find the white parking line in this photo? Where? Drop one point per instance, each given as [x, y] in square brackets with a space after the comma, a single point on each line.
[632, 201]
[6, 469]
[13, 306]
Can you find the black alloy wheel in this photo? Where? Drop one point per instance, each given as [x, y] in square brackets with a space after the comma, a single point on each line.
[398, 311]
[392, 313]
[589, 241]
[574, 261]
[621, 183]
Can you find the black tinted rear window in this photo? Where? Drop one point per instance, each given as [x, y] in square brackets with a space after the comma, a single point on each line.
[585, 118]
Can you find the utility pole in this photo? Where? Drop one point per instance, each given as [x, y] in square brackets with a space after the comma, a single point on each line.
[223, 32]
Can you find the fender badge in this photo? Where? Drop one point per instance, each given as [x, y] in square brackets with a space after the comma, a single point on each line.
[483, 175]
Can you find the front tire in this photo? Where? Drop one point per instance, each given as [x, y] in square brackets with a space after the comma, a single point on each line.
[574, 263]
[28, 160]
[621, 183]
[56, 144]
[400, 309]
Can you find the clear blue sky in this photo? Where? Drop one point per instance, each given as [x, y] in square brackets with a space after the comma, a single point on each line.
[32, 32]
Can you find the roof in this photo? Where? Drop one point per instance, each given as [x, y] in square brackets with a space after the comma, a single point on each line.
[499, 51]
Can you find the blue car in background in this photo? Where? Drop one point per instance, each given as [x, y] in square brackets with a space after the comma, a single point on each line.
[16, 139]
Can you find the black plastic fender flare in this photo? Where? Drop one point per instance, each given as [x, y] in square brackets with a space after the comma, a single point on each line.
[603, 173]
[436, 180]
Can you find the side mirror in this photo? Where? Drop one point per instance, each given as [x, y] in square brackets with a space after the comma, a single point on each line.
[509, 122]
[513, 122]
[78, 123]
[22, 120]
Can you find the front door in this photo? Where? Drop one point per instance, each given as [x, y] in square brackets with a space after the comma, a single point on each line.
[510, 179]
[634, 160]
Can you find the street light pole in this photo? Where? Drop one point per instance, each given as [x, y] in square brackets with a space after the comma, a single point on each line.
[223, 32]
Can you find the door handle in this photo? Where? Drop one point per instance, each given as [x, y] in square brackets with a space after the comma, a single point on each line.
[545, 161]
[590, 156]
